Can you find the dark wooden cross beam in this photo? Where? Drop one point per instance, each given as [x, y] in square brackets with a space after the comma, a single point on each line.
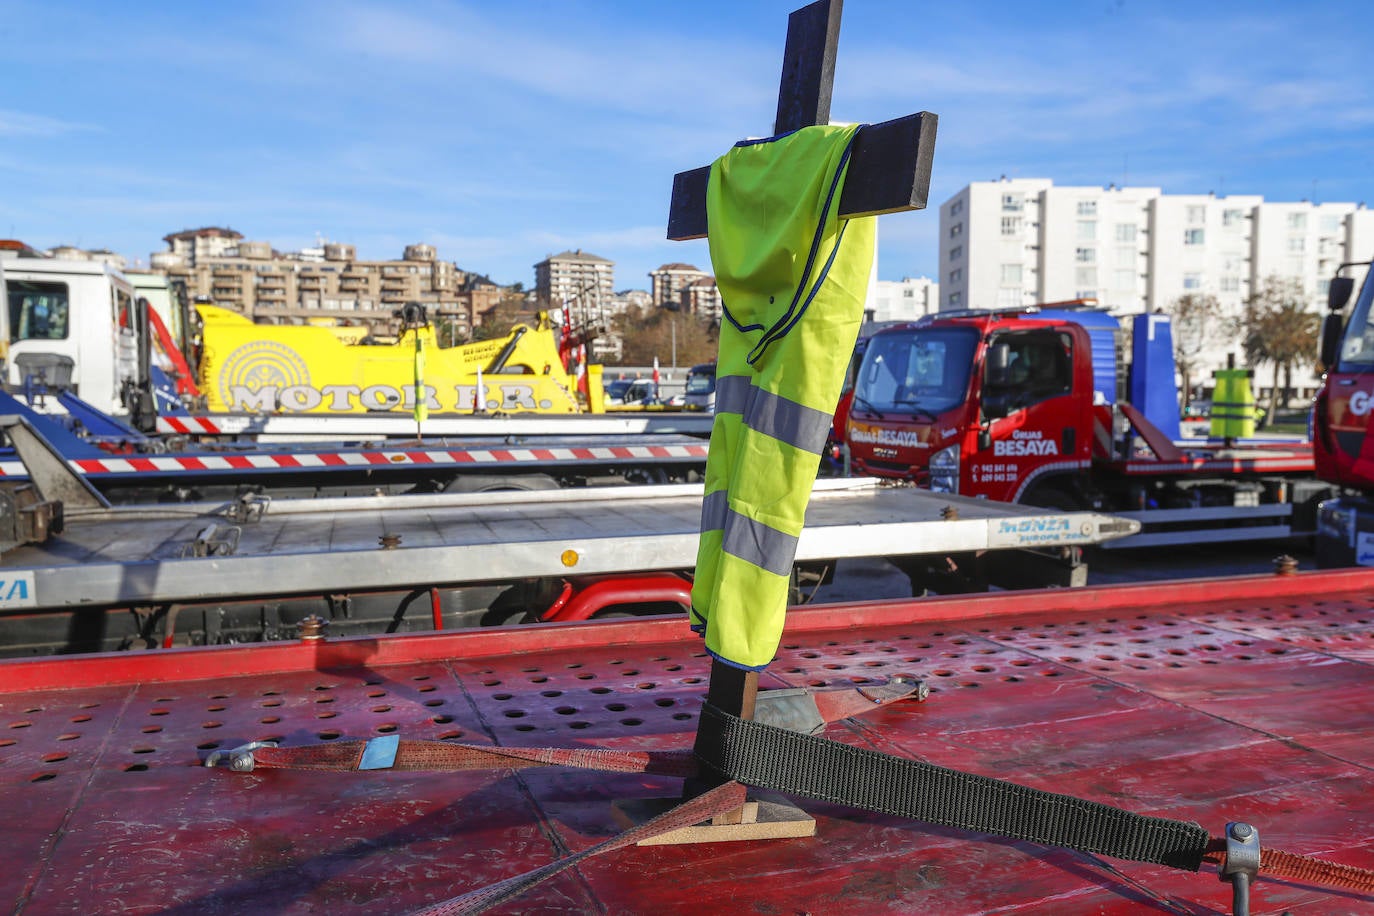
[890, 168]
[889, 171]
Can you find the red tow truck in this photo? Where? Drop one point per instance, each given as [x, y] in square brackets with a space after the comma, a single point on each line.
[1030, 406]
[1341, 446]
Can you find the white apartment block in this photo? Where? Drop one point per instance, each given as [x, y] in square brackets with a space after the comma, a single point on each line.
[193, 245]
[903, 300]
[1015, 242]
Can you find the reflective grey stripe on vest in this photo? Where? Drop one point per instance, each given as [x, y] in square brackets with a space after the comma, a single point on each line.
[714, 507]
[749, 540]
[732, 393]
[773, 415]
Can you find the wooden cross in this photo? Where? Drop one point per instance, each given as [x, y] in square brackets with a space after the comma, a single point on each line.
[889, 172]
[890, 167]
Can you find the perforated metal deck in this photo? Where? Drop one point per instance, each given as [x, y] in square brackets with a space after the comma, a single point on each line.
[1208, 700]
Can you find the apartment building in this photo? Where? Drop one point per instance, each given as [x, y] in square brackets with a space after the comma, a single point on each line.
[903, 300]
[1015, 242]
[584, 283]
[667, 282]
[701, 297]
[191, 245]
[575, 275]
[271, 287]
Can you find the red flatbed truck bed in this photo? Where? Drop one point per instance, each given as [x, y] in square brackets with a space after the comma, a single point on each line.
[1206, 700]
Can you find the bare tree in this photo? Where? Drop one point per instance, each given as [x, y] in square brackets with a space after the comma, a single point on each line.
[1198, 324]
[1276, 327]
[695, 339]
[502, 317]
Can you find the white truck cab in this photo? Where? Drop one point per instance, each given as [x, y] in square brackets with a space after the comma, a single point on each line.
[700, 389]
[69, 324]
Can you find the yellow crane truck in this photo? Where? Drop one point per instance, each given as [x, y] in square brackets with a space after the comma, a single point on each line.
[247, 367]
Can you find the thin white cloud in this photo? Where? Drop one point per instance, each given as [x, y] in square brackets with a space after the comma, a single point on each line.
[25, 124]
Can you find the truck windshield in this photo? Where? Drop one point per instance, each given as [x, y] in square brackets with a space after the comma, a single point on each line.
[38, 311]
[916, 370]
[1357, 346]
[700, 382]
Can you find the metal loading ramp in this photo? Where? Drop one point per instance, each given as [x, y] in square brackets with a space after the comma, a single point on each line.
[153, 554]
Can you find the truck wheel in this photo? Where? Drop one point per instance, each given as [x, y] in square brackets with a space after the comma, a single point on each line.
[484, 483]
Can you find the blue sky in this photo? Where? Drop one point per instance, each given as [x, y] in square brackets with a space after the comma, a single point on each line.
[506, 131]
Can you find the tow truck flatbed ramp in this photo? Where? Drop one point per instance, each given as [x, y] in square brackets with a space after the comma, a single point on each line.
[203, 551]
[1247, 699]
[298, 427]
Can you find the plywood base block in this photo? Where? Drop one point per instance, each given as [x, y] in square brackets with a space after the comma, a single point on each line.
[763, 817]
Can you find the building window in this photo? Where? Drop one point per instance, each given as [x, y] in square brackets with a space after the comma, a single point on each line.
[956, 298]
[956, 252]
[1297, 242]
[1297, 221]
[1323, 287]
[1197, 215]
[1011, 274]
[1125, 257]
[1012, 203]
[1085, 276]
[1087, 208]
[1085, 293]
[956, 230]
[1125, 232]
[1009, 297]
[956, 208]
[956, 275]
[1230, 284]
[1232, 217]
[1011, 225]
[1087, 230]
[1085, 255]
[1194, 236]
[1192, 281]
[1124, 279]
[1330, 223]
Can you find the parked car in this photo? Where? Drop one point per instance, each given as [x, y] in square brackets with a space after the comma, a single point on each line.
[624, 392]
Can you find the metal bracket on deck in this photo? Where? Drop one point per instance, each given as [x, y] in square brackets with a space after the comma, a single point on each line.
[25, 517]
[1241, 865]
[240, 759]
[213, 541]
[250, 507]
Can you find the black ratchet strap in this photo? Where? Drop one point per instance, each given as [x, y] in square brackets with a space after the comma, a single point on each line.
[768, 757]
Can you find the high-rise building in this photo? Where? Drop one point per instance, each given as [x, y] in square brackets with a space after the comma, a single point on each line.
[581, 279]
[1015, 242]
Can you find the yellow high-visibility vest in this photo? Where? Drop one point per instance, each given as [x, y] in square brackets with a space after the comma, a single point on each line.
[1233, 405]
[793, 279]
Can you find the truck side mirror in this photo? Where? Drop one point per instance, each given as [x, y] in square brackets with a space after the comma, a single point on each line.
[1331, 339]
[999, 359]
[1338, 294]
